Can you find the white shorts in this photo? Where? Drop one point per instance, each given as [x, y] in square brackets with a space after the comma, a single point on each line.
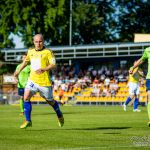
[45, 91]
[134, 88]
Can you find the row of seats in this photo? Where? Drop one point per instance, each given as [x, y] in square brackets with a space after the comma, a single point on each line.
[105, 99]
[85, 95]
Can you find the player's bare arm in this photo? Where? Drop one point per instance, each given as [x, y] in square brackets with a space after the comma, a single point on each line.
[133, 72]
[23, 65]
[136, 64]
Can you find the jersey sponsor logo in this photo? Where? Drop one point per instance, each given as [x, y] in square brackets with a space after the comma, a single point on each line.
[31, 85]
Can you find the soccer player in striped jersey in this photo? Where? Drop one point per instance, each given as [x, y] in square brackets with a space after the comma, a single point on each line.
[134, 88]
[41, 61]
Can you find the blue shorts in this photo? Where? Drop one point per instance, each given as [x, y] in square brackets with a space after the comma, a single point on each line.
[20, 91]
[147, 84]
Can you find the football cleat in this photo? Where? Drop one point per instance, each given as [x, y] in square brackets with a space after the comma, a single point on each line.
[61, 121]
[124, 107]
[21, 114]
[136, 110]
[26, 124]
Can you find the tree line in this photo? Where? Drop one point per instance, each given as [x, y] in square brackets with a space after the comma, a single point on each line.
[93, 21]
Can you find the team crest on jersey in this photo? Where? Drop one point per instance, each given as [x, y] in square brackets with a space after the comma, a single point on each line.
[53, 61]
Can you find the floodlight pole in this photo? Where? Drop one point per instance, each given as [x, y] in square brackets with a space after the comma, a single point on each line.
[70, 27]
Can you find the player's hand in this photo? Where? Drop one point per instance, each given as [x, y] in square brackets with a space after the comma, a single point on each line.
[40, 71]
[16, 77]
[16, 80]
[16, 74]
[131, 71]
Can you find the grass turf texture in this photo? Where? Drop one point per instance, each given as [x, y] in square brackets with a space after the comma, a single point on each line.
[86, 128]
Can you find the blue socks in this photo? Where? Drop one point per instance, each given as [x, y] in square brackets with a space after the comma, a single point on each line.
[136, 102]
[57, 109]
[128, 101]
[27, 110]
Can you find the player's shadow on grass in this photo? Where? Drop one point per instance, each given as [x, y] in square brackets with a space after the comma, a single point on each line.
[53, 113]
[96, 128]
[101, 128]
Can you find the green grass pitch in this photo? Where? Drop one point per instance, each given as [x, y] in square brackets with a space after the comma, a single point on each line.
[86, 128]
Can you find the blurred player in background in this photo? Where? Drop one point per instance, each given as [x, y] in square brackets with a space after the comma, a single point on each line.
[41, 62]
[21, 83]
[134, 88]
[145, 56]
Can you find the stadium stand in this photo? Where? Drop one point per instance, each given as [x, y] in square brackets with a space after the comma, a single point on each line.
[86, 87]
[91, 74]
[84, 90]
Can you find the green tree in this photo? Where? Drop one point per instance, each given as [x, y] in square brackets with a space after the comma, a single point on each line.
[133, 17]
[92, 21]
[28, 17]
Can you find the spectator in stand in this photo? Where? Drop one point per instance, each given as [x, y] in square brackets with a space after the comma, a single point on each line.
[61, 94]
[87, 78]
[102, 77]
[113, 87]
[57, 83]
[94, 73]
[95, 81]
[108, 73]
[105, 91]
[107, 81]
[104, 68]
[100, 72]
[82, 82]
[95, 91]
[71, 84]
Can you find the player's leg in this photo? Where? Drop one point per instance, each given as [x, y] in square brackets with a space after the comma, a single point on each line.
[46, 92]
[30, 90]
[131, 95]
[27, 110]
[136, 101]
[21, 101]
[128, 100]
[21, 106]
[148, 106]
[135, 104]
[148, 99]
[56, 108]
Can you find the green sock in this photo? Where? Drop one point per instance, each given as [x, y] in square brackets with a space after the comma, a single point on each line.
[148, 109]
[21, 105]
